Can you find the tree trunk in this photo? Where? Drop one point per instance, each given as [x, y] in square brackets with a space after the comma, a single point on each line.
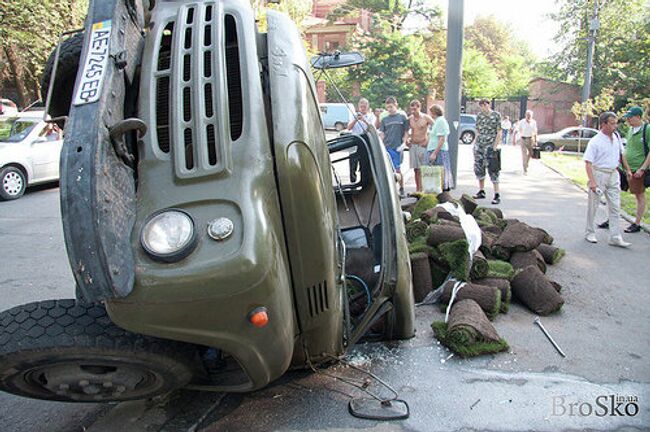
[16, 69]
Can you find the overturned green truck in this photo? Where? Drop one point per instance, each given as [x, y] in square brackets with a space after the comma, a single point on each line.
[214, 235]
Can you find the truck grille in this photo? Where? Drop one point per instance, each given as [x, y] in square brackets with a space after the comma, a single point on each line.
[198, 109]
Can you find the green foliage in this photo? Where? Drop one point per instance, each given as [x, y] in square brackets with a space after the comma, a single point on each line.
[389, 14]
[480, 78]
[622, 52]
[396, 65]
[29, 29]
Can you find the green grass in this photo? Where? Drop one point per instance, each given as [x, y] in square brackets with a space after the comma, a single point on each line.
[573, 167]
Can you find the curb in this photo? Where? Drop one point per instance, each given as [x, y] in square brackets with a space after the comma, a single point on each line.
[624, 214]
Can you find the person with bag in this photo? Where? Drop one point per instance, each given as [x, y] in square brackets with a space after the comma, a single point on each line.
[528, 133]
[486, 153]
[637, 155]
[438, 147]
[603, 154]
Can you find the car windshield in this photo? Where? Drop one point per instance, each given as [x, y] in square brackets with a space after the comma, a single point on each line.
[16, 131]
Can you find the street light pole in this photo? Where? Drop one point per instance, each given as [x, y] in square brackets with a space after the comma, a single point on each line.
[453, 77]
[594, 25]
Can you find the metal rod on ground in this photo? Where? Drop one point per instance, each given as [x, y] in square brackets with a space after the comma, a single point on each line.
[548, 336]
[453, 77]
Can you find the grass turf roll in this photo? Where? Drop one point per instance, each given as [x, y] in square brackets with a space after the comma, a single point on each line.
[480, 266]
[532, 288]
[439, 234]
[426, 202]
[500, 269]
[456, 255]
[468, 333]
[445, 197]
[503, 285]
[421, 272]
[468, 203]
[416, 228]
[521, 260]
[487, 297]
[550, 253]
[517, 237]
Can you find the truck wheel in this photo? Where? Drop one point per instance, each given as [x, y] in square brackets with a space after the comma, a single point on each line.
[63, 350]
[12, 183]
[66, 74]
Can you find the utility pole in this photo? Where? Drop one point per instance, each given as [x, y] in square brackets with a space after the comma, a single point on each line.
[453, 77]
[594, 25]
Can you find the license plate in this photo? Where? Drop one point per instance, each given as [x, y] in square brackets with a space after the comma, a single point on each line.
[97, 54]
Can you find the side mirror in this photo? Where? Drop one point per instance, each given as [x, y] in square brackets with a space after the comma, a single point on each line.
[336, 59]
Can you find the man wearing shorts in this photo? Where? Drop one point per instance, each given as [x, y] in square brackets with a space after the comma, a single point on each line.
[417, 142]
[488, 125]
[637, 156]
[394, 129]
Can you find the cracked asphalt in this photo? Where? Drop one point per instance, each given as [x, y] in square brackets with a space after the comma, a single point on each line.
[603, 328]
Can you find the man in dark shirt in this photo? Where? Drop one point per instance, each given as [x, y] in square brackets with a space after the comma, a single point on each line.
[394, 131]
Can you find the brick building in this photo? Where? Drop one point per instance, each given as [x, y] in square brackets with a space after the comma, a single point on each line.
[551, 101]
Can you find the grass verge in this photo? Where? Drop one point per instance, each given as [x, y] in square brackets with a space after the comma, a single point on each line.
[573, 167]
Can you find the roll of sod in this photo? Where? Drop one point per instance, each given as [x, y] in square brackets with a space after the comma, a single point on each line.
[439, 234]
[521, 260]
[500, 269]
[532, 288]
[456, 255]
[516, 237]
[468, 203]
[550, 253]
[503, 285]
[445, 197]
[421, 272]
[468, 332]
[416, 229]
[487, 297]
[425, 203]
[480, 267]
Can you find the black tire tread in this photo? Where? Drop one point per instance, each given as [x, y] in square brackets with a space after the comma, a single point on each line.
[69, 323]
[66, 74]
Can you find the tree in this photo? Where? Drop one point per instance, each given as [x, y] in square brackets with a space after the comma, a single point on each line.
[622, 49]
[392, 13]
[480, 78]
[396, 65]
[25, 42]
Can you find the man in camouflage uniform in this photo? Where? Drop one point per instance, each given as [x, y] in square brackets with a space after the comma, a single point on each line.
[488, 125]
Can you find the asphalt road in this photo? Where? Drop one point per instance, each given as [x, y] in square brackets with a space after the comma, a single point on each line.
[603, 328]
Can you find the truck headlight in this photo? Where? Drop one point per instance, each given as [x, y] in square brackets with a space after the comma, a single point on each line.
[169, 235]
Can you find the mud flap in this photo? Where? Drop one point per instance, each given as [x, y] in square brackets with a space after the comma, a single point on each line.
[97, 187]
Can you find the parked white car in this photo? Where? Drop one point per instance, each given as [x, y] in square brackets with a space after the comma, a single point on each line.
[29, 154]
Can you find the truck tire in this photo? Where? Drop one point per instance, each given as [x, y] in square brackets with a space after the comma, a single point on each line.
[66, 74]
[63, 350]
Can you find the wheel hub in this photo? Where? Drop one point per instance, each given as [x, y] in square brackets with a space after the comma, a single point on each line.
[12, 183]
[95, 381]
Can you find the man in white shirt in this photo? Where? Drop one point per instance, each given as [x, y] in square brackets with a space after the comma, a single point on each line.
[527, 128]
[359, 125]
[602, 156]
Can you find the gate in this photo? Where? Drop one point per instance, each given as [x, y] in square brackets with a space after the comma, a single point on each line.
[514, 107]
